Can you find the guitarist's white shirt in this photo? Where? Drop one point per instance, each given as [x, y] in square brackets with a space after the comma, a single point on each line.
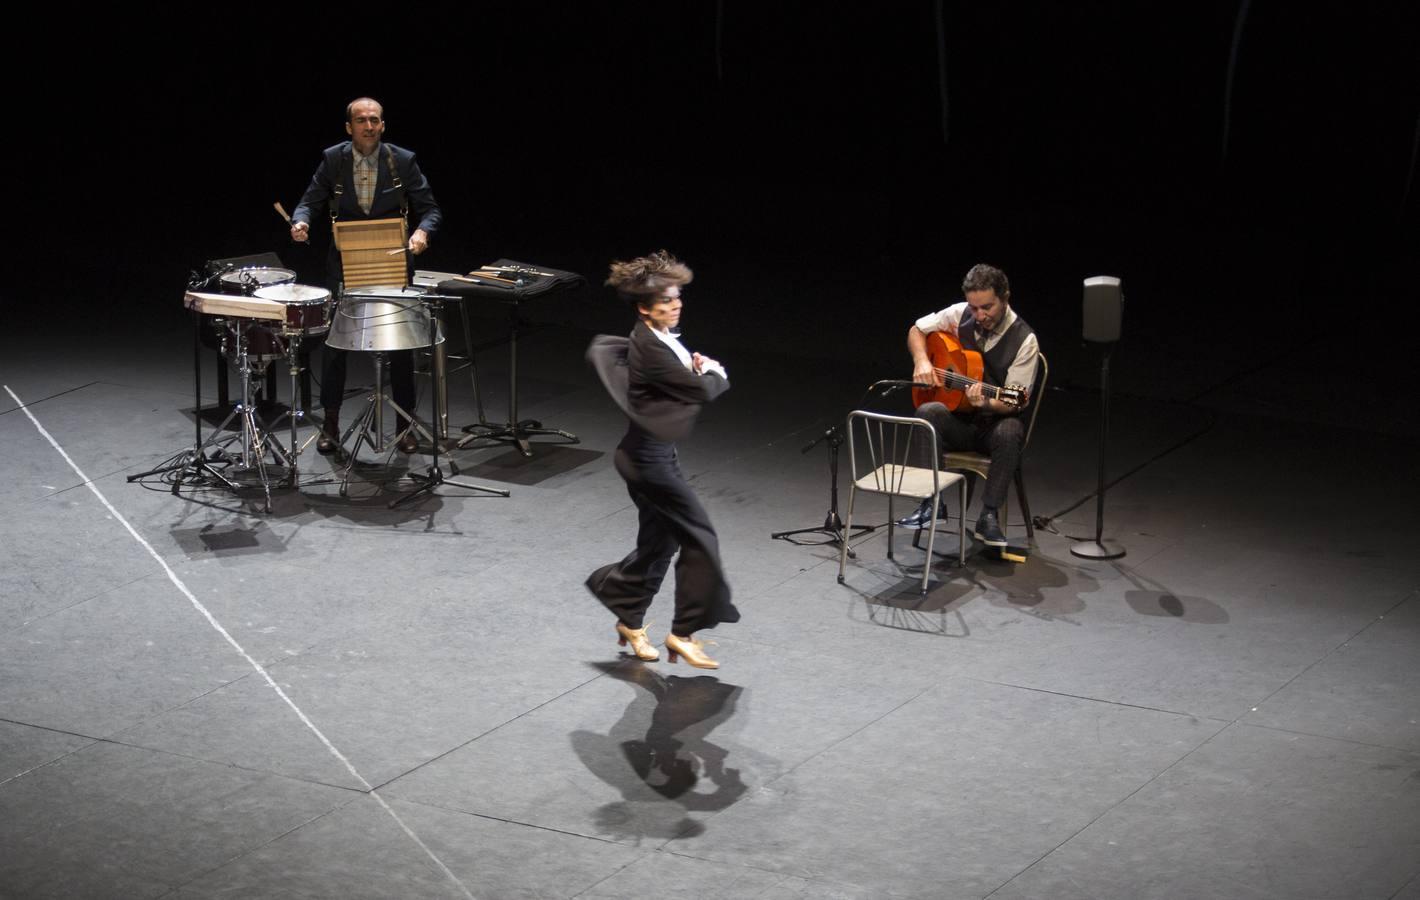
[1022, 369]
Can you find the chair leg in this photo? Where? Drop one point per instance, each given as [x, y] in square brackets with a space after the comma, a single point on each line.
[961, 531]
[931, 534]
[1025, 506]
[890, 525]
[847, 530]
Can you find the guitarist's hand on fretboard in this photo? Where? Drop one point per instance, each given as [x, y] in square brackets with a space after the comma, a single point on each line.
[977, 397]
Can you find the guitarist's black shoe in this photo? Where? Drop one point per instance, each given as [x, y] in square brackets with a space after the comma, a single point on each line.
[988, 529]
[919, 517]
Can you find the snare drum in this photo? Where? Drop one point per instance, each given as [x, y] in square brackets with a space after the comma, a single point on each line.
[246, 282]
[307, 308]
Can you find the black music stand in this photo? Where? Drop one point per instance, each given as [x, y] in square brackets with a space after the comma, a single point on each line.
[517, 283]
[430, 481]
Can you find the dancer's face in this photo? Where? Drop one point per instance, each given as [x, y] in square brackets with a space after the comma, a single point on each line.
[663, 312]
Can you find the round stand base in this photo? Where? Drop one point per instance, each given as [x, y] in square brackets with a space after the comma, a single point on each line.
[1097, 550]
[251, 476]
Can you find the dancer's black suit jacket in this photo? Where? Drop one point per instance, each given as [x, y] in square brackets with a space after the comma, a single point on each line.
[650, 383]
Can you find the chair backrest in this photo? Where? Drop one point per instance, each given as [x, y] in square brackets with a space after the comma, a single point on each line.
[882, 448]
[1037, 394]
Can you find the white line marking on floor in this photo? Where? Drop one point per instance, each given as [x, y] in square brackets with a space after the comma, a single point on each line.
[260, 669]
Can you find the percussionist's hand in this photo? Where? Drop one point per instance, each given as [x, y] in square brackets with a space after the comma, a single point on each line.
[300, 232]
[418, 241]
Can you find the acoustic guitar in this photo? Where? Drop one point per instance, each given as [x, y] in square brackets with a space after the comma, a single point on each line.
[959, 369]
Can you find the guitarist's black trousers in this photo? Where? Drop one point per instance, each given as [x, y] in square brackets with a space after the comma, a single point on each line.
[999, 437]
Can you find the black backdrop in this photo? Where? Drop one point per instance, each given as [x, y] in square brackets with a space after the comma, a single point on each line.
[814, 162]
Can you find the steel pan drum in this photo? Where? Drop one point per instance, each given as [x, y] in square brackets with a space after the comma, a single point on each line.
[381, 319]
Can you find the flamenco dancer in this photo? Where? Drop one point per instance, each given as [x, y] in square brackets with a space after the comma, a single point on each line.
[660, 385]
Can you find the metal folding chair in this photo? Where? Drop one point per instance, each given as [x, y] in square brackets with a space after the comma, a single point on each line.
[880, 452]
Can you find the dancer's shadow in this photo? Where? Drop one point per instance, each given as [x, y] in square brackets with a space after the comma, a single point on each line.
[658, 755]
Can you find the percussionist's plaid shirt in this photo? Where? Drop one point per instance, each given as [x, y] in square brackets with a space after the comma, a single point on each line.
[367, 173]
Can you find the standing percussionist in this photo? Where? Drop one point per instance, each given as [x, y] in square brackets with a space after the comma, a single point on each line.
[366, 178]
[984, 323]
[660, 385]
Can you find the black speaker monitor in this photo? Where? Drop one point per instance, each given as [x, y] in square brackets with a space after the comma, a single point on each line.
[1104, 306]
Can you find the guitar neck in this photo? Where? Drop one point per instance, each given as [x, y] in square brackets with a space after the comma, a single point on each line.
[961, 382]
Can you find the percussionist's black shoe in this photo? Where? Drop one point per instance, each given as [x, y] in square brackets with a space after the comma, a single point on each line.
[919, 517]
[408, 442]
[988, 529]
[329, 440]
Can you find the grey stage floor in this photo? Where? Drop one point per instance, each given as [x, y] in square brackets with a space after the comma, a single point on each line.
[341, 700]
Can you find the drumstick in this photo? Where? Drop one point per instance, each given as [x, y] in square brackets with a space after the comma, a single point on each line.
[281, 211]
[397, 251]
[487, 277]
[514, 269]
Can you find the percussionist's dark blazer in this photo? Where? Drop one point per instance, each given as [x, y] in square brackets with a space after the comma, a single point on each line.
[651, 385]
[338, 160]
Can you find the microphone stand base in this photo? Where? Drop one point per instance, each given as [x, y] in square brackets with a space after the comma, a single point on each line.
[1097, 550]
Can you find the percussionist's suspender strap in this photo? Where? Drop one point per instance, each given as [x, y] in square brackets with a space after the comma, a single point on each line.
[340, 171]
[398, 185]
[343, 168]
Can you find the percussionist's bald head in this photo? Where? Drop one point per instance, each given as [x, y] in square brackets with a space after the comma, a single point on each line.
[365, 123]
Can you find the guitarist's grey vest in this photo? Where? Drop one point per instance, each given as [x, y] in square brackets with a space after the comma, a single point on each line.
[997, 361]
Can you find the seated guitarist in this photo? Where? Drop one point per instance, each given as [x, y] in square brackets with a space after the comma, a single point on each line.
[984, 323]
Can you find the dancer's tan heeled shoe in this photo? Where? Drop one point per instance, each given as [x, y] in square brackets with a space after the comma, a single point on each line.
[691, 649]
[640, 644]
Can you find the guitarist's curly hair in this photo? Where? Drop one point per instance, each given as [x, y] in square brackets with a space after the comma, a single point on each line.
[982, 277]
[637, 280]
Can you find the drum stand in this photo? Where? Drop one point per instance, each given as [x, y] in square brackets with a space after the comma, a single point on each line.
[435, 476]
[295, 411]
[255, 440]
[372, 420]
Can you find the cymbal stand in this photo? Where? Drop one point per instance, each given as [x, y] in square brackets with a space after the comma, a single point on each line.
[435, 476]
